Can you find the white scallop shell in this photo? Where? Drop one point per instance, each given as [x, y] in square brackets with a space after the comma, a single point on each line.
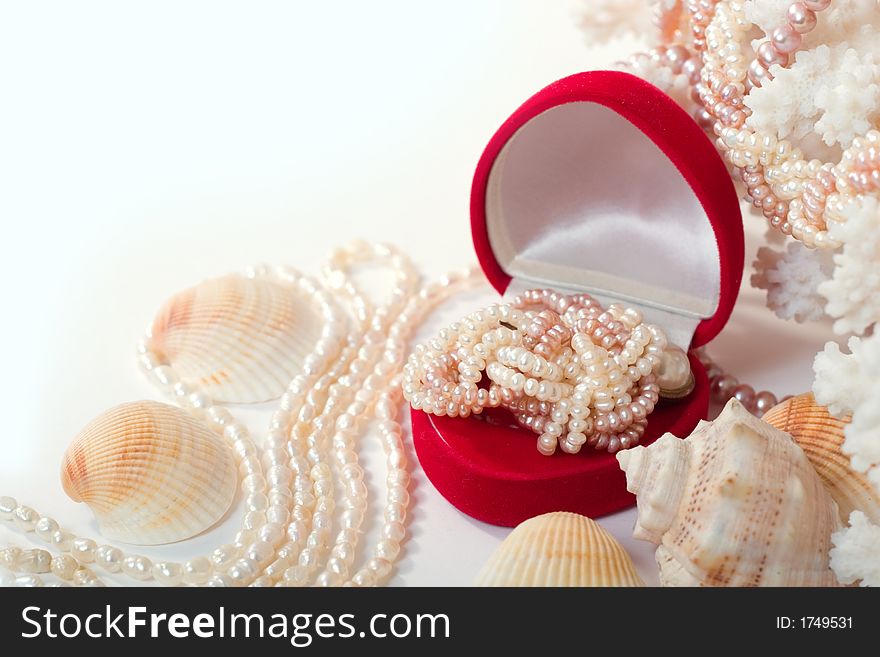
[239, 339]
[559, 549]
[737, 503]
[150, 473]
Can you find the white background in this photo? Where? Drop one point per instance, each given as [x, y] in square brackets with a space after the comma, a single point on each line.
[146, 146]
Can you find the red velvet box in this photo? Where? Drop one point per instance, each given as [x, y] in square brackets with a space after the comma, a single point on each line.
[599, 183]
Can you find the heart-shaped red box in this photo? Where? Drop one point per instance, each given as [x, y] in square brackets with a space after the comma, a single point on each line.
[599, 183]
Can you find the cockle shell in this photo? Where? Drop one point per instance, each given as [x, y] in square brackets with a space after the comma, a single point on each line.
[737, 503]
[239, 339]
[150, 473]
[559, 549]
[821, 436]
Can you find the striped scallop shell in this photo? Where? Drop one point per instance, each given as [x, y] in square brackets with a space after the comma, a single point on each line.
[150, 473]
[239, 339]
[559, 549]
[821, 437]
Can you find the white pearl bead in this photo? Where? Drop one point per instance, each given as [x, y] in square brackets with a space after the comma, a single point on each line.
[675, 369]
[168, 573]
[84, 549]
[197, 571]
[36, 561]
[7, 507]
[45, 527]
[137, 567]
[109, 558]
[64, 566]
[25, 518]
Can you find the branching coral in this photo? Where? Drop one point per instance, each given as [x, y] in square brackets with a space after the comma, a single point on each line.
[838, 384]
[853, 292]
[832, 92]
[791, 278]
[845, 383]
[605, 20]
[846, 21]
[854, 555]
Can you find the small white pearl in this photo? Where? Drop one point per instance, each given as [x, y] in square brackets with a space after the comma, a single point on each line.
[64, 566]
[168, 573]
[197, 571]
[7, 507]
[83, 550]
[109, 558]
[25, 517]
[137, 567]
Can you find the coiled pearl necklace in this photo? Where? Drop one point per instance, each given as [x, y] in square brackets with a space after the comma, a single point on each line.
[569, 370]
[288, 485]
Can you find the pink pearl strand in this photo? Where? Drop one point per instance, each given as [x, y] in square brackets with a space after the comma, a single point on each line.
[769, 166]
[567, 369]
[724, 387]
[786, 39]
[700, 14]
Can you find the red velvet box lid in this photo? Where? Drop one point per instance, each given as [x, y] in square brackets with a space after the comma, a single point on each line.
[599, 183]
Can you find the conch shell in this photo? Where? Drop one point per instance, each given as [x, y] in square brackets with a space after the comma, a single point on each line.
[150, 473]
[559, 549]
[239, 339]
[737, 503]
[820, 435]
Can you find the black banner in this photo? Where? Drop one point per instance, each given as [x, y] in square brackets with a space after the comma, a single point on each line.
[433, 621]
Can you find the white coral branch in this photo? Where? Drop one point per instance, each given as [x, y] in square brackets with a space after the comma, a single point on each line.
[605, 20]
[791, 279]
[855, 556]
[853, 291]
[838, 384]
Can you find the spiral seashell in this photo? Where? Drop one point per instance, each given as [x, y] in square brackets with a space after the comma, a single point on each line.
[821, 437]
[737, 503]
[150, 473]
[559, 549]
[239, 339]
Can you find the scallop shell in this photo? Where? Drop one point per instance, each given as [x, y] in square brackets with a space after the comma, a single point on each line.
[821, 436]
[559, 549]
[737, 503]
[239, 339]
[150, 473]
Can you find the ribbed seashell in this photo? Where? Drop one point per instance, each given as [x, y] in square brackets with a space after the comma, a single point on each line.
[559, 549]
[821, 437]
[239, 339]
[150, 473]
[737, 503]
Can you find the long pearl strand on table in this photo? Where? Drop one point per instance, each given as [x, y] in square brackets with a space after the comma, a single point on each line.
[354, 369]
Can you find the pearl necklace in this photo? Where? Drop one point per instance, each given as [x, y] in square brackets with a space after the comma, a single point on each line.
[288, 485]
[800, 198]
[558, 362]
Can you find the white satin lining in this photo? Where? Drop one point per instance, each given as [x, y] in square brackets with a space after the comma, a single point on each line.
[582, 200]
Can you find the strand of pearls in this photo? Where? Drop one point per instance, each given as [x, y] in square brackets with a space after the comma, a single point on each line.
[569, 370]
[800, 198]
[353, 374]
[726, 386]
